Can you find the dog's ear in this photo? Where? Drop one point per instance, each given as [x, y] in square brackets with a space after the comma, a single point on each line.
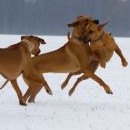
[22, 37]
[104, 24]
[74, 24]
[100, 27]
[42, 41]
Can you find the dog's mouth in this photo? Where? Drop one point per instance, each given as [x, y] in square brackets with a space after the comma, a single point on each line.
[36, 53]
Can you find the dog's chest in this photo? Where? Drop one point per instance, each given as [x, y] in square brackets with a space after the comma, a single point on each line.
[97, 46]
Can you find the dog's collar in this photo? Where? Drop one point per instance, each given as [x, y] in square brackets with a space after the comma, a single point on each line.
[98, 38]
[82, 39]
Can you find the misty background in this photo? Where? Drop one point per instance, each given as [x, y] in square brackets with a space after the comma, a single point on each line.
[50, 17]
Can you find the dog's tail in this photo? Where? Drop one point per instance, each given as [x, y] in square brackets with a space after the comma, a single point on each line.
[4, 84]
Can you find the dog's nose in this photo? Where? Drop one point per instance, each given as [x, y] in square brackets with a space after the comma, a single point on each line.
[96, 21]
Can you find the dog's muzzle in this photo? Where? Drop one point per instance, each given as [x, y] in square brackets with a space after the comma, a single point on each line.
[36, 52]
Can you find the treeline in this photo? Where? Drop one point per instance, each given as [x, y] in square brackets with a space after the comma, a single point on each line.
[51, 16]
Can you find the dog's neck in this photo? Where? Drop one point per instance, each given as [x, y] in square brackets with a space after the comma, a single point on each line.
[28, 45]
[81, 39]
[26, 41]
[99, 37]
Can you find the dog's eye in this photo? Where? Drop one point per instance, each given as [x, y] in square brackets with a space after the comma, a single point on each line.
[86, 23]
[91, 31]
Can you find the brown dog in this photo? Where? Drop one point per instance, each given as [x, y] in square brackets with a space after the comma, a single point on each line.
[75, 55]
[102, 45]
[69, 52]
[15, 57]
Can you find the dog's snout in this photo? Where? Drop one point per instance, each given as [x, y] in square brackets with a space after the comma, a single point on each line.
[38, 52]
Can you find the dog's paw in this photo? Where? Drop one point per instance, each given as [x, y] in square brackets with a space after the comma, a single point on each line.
[109, 91]
[63, 85]
[31, 100]
[22, 103]
[71, 91]
[103, 64]
[49, 91]
[124, 63]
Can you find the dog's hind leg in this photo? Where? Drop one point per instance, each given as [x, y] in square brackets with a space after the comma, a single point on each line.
[101, 82]
[33, 93]
[36, 89]
[27, 94]
[95, 78]
[30, 94]
[68, 78]
[83, 77]
[47, 88]
[36, 80]
[4, 84]
[90, 74]
[93, 65]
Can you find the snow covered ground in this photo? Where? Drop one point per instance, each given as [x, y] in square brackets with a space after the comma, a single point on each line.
[89, 108]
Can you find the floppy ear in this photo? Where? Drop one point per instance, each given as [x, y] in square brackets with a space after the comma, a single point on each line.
[42, 41]
[22, 37]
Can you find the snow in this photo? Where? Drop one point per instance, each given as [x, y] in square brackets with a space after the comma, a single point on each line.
[89, 108]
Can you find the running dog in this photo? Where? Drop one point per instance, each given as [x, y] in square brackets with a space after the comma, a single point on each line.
[75, 55]
[102, 45]
[15, 57]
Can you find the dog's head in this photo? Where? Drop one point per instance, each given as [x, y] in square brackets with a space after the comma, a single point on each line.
[83, 20]
[33, 43]
[80, 24]
[94, 32]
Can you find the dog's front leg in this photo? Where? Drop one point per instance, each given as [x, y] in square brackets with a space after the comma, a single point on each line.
[119, 53]
[18, 92]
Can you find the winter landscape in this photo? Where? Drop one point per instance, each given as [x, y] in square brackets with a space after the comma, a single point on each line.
[89, 108]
